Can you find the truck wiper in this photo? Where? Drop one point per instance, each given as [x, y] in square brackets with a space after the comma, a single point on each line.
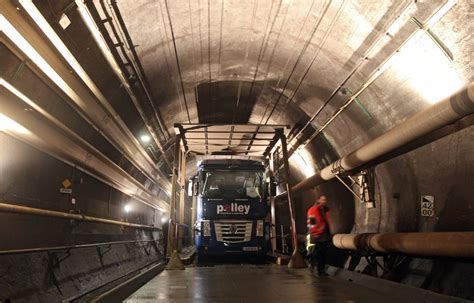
[205, 183]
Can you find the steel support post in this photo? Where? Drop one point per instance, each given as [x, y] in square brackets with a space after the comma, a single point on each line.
[182, 197]
[193, 218]
[172, 251]
[273, 235]
[296, 260]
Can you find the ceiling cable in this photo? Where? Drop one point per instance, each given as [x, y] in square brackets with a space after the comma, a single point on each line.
[354, 70]
[263, 47]
[239, 90]
[379, 71]
[177, 60]
[303, 50]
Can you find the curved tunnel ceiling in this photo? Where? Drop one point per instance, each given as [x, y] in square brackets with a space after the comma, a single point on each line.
[90, 91]
[300, 63]
[301, 52]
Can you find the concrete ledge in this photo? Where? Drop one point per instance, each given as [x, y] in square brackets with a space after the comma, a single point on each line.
[122, 288]
[395, 290]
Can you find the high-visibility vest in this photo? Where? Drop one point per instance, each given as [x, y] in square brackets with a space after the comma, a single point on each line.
[317, 223]
[308, 242]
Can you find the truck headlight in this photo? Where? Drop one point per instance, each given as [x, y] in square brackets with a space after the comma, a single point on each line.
[206, 228]
[260, 228]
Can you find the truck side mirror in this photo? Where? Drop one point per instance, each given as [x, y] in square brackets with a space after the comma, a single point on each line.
[193, 187]
[190, 188]
[272, 187]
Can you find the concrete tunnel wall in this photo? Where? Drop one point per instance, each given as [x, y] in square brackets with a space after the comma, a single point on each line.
[258, 43]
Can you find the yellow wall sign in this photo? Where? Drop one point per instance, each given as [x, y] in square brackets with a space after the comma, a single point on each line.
[66, 183]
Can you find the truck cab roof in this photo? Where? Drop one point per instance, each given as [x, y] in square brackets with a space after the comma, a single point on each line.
[231, 163]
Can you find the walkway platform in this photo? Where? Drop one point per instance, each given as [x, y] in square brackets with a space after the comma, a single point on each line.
[251, 283]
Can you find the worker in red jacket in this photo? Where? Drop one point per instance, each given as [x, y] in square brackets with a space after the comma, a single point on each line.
[319, 234]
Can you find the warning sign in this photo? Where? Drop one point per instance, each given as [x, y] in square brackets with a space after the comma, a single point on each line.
[427, 206]
[66, 183]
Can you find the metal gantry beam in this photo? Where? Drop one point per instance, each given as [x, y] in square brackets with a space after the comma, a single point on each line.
[172, 247]
[229, 139]
[182, 197]
[271, 169]
[271, 134]
[296, 260]
[173, 216]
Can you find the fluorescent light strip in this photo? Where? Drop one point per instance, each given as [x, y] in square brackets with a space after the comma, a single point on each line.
[39, 61]
[9, 125]
[25, 47]
[20, 95]
[43, 24]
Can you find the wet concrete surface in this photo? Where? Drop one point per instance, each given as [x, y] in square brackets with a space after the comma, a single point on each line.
[251, 283]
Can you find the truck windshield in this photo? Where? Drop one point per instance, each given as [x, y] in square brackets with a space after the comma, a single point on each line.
[233, 184]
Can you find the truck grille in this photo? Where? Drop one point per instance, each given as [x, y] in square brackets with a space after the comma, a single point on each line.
[233, 231]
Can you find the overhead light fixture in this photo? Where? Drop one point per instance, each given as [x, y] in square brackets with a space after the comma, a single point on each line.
[145, 138]
[127, 208]
[164, 220]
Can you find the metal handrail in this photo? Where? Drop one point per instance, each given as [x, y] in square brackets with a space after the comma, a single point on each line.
[19, 209]
[56, 248]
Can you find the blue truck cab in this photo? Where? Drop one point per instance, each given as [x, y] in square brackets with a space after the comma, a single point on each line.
[232, 209]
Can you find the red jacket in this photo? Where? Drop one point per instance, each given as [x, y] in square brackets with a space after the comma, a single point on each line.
[318, 222]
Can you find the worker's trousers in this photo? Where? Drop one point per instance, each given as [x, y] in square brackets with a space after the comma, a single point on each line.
[318, 255]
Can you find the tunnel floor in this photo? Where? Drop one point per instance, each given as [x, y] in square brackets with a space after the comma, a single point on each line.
[247, 283]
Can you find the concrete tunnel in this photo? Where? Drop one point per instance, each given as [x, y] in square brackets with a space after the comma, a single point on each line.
[371, 103]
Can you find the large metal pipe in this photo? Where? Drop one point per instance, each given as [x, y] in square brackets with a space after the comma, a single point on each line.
[442, 244]
[438, 115]
[19, 209]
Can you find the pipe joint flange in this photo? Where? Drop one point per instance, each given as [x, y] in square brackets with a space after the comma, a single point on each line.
[336, 167]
